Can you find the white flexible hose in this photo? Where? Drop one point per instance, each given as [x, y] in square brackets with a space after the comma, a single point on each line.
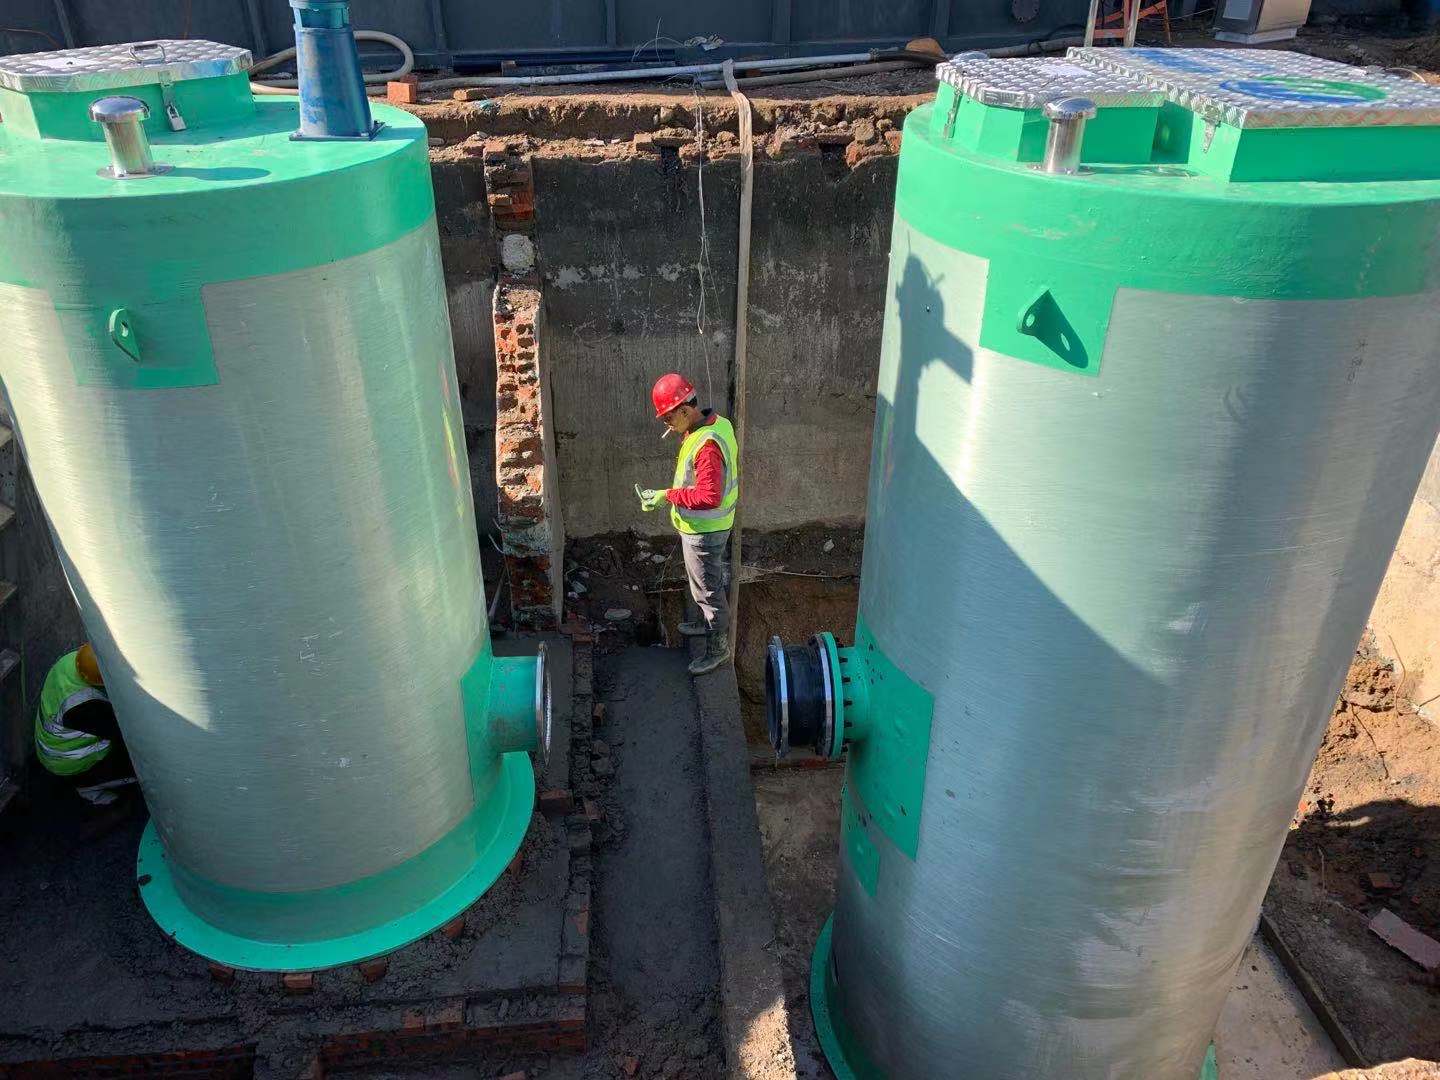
[288, 86]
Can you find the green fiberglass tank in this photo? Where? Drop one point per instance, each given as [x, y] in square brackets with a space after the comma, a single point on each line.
[228, 358]
[1148, 423]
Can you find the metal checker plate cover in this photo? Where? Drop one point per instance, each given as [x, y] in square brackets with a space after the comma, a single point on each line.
[106, 67]
[1270, 88]
[1029, 82]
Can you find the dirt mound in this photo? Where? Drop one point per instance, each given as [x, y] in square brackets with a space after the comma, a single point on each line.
[1369, 822]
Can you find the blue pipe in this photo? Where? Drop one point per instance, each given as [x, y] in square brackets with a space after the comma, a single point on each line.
[333, 104]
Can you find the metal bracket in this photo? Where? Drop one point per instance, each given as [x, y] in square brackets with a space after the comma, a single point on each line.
[167, 79]
[172, 110]
[375, 128]
[122, 333]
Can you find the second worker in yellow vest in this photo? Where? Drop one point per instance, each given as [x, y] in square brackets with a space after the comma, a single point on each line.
[702, 499]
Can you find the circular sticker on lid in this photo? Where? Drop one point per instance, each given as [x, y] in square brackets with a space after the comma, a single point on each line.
[1308, 91]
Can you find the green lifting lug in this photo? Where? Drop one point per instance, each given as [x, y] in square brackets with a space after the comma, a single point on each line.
[122, 333]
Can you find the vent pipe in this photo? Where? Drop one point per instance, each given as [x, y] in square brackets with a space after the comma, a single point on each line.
[333, 104]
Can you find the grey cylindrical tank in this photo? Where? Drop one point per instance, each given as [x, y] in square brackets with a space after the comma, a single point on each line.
[233, 380]
[1145, 438]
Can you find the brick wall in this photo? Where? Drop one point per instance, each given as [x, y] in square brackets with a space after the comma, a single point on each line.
[527, 506]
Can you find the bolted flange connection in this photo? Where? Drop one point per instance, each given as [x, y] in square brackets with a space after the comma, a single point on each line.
[816, 696]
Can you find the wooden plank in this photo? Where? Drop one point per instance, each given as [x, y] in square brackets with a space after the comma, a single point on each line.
[1399, 934]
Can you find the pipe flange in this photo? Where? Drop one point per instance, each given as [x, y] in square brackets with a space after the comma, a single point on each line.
[778, 698]
[544, 709]
[827, 681]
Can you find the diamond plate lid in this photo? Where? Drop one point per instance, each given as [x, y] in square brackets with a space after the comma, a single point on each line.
[109, 67]
[1265, 88]
[1029, 82]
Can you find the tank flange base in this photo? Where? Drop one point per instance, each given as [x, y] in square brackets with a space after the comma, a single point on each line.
[513, 800]
[829, 1024]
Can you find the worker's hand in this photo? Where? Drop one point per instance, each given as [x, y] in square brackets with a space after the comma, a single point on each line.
[651, 498]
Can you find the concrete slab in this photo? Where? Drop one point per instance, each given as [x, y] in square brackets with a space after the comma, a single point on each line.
[653, 983]
[85, 973]
[753, 1000]
[1266, 1030]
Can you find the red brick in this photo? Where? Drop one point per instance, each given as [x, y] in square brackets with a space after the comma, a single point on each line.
[454, 928]
[556, 801]
[298, 982]
[892, 141]
[222, 974]
[374, 970]
[403, 91]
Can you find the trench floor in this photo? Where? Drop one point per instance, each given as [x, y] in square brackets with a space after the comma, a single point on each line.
[654, 964]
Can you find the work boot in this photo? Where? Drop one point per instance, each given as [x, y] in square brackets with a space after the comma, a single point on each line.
[717, 653]
[693, 629]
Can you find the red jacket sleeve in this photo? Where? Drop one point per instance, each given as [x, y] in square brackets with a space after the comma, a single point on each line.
[709, 481]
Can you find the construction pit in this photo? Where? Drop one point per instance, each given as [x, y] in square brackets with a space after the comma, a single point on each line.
[661, 916]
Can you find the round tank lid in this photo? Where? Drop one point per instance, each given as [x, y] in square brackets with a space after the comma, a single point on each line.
[1029, 82]
[1267, 88]
[118, 110]
[108, 67]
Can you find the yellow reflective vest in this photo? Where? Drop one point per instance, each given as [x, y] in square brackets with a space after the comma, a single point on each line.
[723, 516]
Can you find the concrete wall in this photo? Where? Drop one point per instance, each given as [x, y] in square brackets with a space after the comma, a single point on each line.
[469, 252]
[1406, 617]
[638, 283]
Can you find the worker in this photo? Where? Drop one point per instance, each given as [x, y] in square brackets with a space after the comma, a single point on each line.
[702, 500]
[76, 736]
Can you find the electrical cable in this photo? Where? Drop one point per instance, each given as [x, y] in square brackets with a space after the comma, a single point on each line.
[26, 30]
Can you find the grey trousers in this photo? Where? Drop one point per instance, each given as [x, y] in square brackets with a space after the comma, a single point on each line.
[707, 565]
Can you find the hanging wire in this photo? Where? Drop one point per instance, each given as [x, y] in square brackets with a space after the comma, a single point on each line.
[703, 273]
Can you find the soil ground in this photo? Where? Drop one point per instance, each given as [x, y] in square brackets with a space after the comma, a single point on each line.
[795, 584]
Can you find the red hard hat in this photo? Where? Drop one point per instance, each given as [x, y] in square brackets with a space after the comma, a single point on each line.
[669, 391]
